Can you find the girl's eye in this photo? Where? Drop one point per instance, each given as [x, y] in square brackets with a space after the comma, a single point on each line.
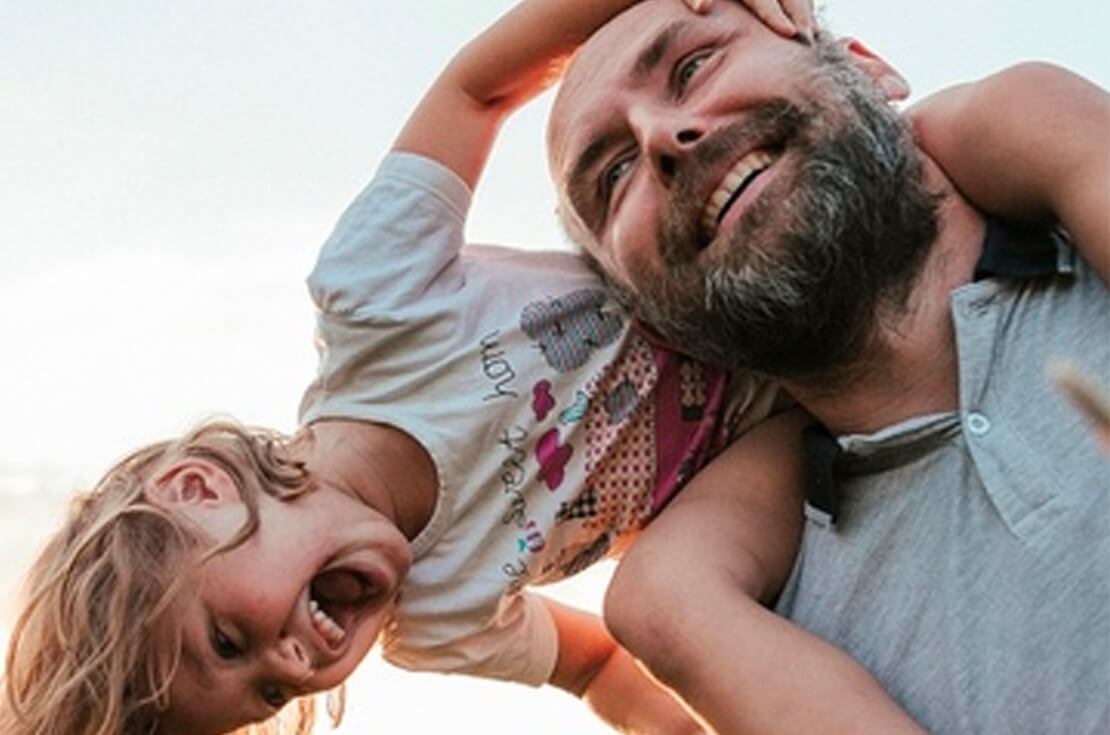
[273, 695]
[687, 68]
[614, 174]
[224, 646]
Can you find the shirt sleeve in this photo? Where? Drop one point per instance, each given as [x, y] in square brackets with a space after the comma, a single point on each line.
[397, 244]
[519, 643]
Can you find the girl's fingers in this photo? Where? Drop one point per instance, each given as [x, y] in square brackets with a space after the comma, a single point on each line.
[801, 13]
[698, 6]
[1086, 396]
[773, 14]
[786, 17]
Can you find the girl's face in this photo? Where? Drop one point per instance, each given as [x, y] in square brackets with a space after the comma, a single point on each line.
[290, 611]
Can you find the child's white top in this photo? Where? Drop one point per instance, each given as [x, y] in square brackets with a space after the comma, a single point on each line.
[555, 429]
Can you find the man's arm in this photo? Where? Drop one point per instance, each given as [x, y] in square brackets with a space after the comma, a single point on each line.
[1030, 142]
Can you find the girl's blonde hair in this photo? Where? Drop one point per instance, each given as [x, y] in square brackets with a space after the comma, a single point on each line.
[96, 645]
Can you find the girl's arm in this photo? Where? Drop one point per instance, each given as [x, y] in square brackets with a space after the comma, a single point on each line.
[514, 60]
[688, 599]
[1030, 142]
[511, 62]
[593, 667]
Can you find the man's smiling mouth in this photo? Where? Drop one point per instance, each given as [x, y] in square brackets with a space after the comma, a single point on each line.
[732, 186]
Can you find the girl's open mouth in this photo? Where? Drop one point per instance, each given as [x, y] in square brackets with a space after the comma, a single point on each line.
[337, 598]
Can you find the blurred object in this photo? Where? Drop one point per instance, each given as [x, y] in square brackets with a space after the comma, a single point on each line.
[1089, 398]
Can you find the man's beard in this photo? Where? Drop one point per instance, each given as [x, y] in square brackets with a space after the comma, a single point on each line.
[828, 248]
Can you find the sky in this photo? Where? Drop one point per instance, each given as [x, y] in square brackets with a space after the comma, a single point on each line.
[168, 171]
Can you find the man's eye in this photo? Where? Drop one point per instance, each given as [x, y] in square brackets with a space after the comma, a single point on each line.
[687, 68]
[273, 695]
[613, 175]
[224, 646]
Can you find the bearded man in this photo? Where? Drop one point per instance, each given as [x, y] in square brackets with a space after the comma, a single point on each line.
[759, 203]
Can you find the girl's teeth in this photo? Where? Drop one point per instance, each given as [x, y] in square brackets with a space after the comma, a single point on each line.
[331, 631]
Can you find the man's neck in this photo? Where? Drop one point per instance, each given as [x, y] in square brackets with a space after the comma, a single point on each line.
[912, 368]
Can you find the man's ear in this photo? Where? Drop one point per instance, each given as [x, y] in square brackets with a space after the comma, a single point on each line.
[893, 85]
[194, 481]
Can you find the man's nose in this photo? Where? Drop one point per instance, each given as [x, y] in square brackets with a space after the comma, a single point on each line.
[666, 137]
[290, 660]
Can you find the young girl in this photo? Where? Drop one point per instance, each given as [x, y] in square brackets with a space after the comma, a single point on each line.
[482, 420]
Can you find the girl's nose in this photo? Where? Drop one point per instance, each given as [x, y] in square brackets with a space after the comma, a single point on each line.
[292, 660]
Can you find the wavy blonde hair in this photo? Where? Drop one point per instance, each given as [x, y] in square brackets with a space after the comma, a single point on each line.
[97, 644]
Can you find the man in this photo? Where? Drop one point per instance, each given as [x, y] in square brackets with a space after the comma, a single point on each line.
[760, 204]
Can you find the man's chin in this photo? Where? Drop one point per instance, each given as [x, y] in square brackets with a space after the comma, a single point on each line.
[759, 235]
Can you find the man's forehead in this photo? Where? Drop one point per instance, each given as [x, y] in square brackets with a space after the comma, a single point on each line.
[604, 61]
[626, 34]
[619, 58]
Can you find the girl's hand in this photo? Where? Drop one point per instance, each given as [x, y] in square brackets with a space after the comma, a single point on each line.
[1086, 396]
[698, 6]
[788, 17]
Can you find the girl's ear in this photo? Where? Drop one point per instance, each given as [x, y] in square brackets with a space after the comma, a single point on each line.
[193, 481]
[893, 85]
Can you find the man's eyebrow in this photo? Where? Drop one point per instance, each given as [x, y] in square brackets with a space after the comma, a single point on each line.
[657, 49]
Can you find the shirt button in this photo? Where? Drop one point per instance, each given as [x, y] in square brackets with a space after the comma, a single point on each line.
[978, 424]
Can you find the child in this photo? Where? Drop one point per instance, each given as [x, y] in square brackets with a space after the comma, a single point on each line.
[479, 423]
[260, 568]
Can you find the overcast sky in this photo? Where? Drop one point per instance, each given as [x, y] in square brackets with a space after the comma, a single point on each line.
[168, 171]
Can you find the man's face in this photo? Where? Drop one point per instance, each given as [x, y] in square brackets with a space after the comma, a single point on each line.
[741, 190]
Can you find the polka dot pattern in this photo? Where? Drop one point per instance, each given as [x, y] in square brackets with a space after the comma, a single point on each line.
[620, 454]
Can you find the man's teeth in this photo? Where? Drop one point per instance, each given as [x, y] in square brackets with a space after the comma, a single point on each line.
[330, 630]
[730, 185]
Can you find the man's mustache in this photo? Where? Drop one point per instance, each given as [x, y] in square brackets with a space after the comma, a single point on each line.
[776, 123]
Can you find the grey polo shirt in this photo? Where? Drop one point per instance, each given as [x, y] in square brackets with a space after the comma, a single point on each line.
[969, 564]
